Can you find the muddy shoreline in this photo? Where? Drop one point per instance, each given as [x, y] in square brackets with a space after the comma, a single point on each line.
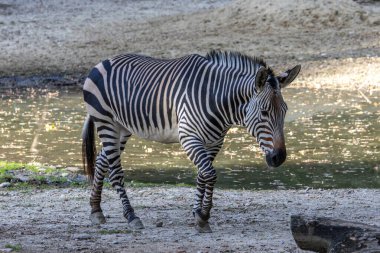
[350, 73]
[38, 81]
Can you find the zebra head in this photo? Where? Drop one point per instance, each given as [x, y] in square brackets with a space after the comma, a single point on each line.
[265, 113]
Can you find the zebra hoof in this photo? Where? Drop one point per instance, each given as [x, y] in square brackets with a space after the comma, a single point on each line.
[97, 218]
[136, 224]
[201, 225]
[203, 229]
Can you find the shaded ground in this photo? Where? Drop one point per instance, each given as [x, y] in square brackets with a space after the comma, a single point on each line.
[335, 41]
[56, 220]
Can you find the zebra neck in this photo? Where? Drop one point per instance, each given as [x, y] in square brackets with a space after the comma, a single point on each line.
[232, 99]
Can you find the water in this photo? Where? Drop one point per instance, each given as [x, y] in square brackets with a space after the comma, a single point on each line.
[332, 137]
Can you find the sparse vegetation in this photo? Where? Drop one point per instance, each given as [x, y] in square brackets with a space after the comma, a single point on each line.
[23, 176]
[14, 247]
[7, 166]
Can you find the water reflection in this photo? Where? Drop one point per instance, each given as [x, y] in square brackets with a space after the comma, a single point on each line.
[333, 140]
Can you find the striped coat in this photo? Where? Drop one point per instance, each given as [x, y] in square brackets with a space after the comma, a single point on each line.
[193, 100]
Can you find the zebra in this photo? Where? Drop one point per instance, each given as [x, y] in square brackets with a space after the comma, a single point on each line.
[193, 100]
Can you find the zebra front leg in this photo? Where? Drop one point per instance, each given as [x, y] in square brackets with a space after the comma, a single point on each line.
[203, 197]
[206, 179]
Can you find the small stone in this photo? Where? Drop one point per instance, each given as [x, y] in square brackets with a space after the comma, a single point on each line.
[82, 237]
[5, 184]
[73, 169]
[6, 250]
[159, 224]
[80, 178]
[22, 178]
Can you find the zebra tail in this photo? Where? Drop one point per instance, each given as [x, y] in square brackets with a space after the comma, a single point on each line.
[88, 148]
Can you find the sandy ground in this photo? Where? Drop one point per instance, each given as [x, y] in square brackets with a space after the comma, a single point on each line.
[337, 42]
[56, 220]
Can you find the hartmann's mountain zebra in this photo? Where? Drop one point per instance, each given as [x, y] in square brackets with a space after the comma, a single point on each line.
[193, 100]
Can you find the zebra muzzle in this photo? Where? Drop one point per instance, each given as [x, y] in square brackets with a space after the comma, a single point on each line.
[276, 158]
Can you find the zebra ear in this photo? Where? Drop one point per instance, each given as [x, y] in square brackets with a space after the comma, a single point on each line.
[261, 78]
[288, 76]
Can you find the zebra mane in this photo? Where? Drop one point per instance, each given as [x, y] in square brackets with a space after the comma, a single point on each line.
[236, 60]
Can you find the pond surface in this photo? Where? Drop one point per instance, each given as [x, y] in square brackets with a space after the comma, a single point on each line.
[333, 141]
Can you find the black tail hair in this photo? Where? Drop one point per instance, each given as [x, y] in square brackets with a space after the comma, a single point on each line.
[88, 148]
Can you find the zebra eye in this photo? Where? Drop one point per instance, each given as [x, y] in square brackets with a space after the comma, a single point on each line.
[264, 113]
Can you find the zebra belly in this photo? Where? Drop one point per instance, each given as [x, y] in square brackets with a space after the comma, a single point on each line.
[158, 134]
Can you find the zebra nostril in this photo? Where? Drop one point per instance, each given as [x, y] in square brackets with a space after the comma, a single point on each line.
[276, 158]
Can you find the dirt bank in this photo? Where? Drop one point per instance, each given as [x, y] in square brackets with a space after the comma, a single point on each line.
[56, 220]
[329, 38]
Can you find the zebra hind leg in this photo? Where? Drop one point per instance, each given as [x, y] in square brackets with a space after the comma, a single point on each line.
[114, 146]
[117, 180]
[101, 168]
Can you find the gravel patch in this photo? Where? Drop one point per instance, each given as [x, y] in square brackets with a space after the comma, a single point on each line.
[57, 220]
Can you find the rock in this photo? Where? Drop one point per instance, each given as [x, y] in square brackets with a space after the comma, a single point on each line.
[321, 234]
[6, 250]
[80, 178]
[73, 169]
[159, 224]
[22, 178]
[5, 184]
